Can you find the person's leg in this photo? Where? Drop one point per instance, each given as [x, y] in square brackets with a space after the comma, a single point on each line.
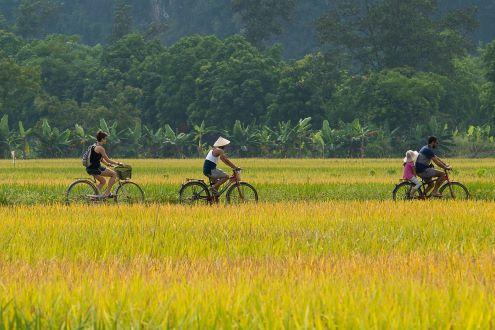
[220, 176]
[417, 185]
[113, 177]
[427, 177]
[441, 179]
[101, 182]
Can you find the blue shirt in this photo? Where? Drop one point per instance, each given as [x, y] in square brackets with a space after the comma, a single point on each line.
[425, 156]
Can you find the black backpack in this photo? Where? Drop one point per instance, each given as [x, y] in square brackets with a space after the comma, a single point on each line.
[86, 157]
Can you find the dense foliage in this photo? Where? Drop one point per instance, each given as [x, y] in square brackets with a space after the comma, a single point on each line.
[386, 75]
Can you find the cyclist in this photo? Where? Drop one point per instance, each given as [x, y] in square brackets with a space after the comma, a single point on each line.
[99, 155]
[210, 169]
[425, 169]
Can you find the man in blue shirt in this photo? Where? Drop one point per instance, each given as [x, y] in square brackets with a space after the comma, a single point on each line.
[425, 169]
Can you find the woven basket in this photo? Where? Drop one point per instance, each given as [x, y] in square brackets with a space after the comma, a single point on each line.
[124, 172]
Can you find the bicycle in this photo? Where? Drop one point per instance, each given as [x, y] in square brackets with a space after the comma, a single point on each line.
[450, 190]
[85, 191]
[197, 192]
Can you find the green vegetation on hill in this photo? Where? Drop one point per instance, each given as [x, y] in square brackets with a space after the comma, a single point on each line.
[382, 76]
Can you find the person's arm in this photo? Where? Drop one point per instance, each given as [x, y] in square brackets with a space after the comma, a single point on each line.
[440, 163]
[105, 159]
[227, 161]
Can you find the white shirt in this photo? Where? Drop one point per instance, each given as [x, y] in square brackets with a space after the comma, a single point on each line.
[211, 157]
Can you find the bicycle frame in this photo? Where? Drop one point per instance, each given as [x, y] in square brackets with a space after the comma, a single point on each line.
[117, 185]
[425, 184]
[234, 179]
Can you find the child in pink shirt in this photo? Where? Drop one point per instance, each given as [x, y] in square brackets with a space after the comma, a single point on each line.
[410, 171]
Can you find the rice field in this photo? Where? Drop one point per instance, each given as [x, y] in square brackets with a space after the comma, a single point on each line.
[45, 181]
[361, 264]
[325, 249]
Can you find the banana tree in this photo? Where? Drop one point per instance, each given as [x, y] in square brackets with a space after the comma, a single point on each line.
[198, 133]
[177, 140]
[480, 139]
[8, 138]
[153, 142]
[265, 138]
[302, 135]
[81, 138]
[116, 136]
[292, 139]
[52, 142]
[135, 139]
[317, 139]
[23, 138]
[245, 137]
[361, 134]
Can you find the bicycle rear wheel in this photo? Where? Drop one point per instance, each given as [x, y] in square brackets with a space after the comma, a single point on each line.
[129, 193]
[454, 191]
[242, 193]
[403, 192]
[82, 192]
[194, 193]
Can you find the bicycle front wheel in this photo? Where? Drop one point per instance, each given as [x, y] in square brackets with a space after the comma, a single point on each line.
[129, 193]
[242, 193]
[454, 191]
[82, 192]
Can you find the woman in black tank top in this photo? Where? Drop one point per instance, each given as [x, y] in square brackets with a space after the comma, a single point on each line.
[98, 156]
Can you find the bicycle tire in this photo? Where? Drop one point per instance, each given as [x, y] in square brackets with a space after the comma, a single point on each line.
[194, 193]
[80, 191]
[458, 189]
[129, 193]
[402, 192]
[250, 195]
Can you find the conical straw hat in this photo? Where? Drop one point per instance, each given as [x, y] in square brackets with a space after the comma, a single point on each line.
[221, 142]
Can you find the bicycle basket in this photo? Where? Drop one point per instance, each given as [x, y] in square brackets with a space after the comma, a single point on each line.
[124, 172]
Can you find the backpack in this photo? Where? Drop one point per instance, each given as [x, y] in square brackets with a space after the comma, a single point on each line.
[86, 157]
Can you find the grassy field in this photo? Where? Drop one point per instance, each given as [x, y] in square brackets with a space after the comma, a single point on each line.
[326, 248]
[45, 181]
[361, 264]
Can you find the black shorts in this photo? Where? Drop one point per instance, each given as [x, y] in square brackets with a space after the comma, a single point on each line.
[95, 171]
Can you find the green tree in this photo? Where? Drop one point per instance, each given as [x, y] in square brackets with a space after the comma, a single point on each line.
[178, 141]
[8, 138]
[263, 19]
[52, 142]
[122, 20]
[153, 142]
[19, 86]
[198, 134]
[386, 34]
[239, 84]
[305, 88]
[36, 17]
[245, 137]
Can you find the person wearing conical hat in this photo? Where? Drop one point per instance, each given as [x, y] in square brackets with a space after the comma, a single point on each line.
[211, 161]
